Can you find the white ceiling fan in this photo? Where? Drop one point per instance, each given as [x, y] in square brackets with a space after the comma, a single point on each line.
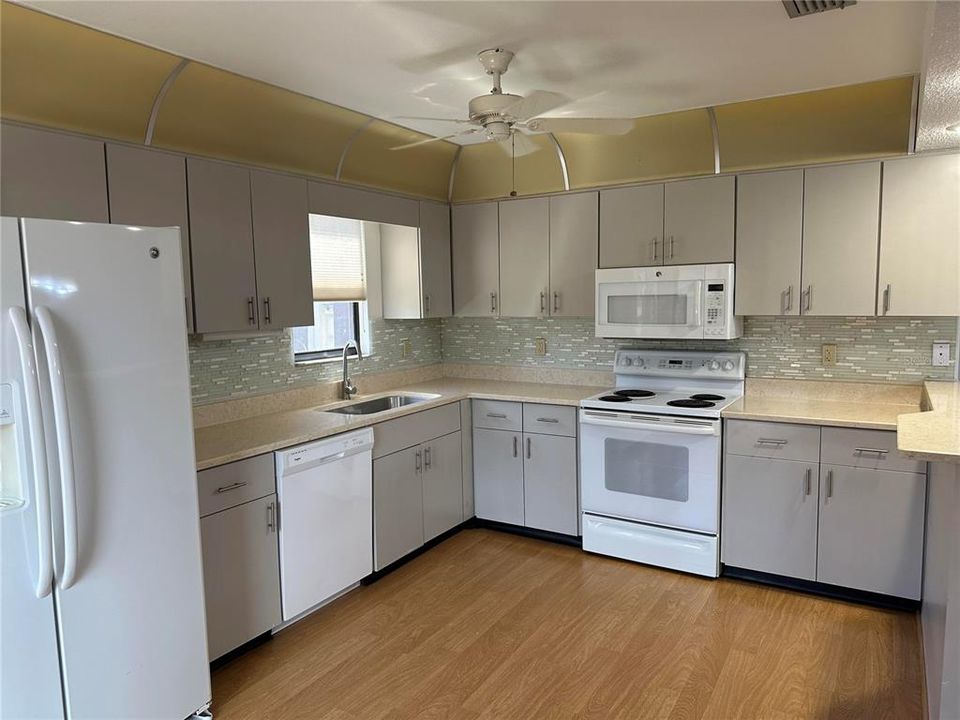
[507, 119]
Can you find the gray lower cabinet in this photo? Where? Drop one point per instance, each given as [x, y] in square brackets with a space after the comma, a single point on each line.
[871, 530]
[241, 573]
[397, 505]
[550, 499]
[442, 485]
[498, 475]
[770, 516]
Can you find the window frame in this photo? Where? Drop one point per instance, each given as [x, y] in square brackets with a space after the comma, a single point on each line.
[333, 353]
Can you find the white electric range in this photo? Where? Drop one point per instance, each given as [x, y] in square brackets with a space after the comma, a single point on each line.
[650, 452]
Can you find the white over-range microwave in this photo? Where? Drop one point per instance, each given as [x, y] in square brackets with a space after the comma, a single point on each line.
[681, 302]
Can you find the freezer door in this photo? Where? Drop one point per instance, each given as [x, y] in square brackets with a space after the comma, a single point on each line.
[29, 661]
[129, 580]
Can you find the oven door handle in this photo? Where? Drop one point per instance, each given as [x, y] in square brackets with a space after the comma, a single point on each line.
[642, 425]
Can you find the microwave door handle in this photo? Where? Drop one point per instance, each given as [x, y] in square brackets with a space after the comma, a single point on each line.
[18, 319]
[639, 425]
[698, 301]
[68, 487]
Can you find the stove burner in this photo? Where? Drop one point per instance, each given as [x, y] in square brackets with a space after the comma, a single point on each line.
[691, 403]
[634, 393]
[615, 398]
[707, 396]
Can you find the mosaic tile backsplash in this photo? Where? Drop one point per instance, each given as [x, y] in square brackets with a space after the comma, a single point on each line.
[869, 350]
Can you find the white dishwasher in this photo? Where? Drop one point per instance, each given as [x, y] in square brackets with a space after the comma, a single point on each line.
[325, 491]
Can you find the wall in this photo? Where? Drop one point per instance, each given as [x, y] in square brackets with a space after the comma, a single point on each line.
[869, 349]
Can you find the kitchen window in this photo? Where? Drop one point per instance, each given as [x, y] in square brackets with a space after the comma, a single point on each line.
[339, 289]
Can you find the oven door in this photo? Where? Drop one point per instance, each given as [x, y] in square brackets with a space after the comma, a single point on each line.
[649, 468]
[650, 302]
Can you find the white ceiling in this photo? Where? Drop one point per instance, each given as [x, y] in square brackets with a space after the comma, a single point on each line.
[613, 58]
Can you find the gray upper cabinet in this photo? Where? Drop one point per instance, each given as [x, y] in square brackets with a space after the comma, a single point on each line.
[631, 226]
[841, 214]
[698, 221]
[351, 202]
[52, 175]
[442, 485]
[524, 257]
[221, 245]
[281, 240]
[400, 281]
[769, 237]
[574, 226]
[476, 259]
[148, 187]
[435, 260]
[920, 237]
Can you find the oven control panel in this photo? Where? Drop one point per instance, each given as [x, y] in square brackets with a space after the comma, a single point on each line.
[680, 364]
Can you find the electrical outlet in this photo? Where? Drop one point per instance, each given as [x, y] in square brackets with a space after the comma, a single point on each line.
[404, 349]
[828, 352]
[941, 354]
[541, 346]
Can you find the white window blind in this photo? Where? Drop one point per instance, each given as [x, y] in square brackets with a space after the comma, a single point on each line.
[336, 259]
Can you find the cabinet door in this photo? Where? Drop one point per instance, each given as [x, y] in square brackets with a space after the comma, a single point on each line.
[397, 505]
[770, 516]
[574, 227]
[400, 259]
[150, 188]
[475, 240]
[221, 246]
[524, 257]
[631, 226]
[241, 574]
[466, 444]
[920, 237]
[435, 259]
[281, 241]
[52, 175]
[442, 485]
[769, 236]
[841, 208]
[698, 220]
[498, 475]
[871, 530]
[550, 483]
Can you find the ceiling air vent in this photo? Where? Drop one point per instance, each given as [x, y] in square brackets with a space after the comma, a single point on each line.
[799, 8]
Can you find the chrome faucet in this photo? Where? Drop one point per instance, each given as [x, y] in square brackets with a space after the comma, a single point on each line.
[347, 388]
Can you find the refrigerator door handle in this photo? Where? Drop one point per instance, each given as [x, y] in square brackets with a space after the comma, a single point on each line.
[31, 389]
[68, 487]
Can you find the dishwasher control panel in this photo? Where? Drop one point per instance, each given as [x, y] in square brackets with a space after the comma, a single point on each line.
[323, 451]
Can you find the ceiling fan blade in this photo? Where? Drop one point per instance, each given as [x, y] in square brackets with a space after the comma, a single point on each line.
[593, 126]
[432, 119]
[536, 103]
[518, 145]
[432, 140]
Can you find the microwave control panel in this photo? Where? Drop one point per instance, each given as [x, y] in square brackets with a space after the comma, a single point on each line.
[715, 320]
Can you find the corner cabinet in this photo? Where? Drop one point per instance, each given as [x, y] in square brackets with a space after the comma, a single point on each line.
[475, 248]
[437, 289]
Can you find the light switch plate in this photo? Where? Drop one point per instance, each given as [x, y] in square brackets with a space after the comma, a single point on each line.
[541, 346]
[829, 353]
[941, 354]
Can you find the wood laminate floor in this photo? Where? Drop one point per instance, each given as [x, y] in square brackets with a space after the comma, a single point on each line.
[489, 625]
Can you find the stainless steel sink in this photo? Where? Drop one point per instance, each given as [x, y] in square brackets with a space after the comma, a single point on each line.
[380, 404]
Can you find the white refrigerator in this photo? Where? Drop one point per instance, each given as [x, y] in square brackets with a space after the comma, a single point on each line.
[101, 586]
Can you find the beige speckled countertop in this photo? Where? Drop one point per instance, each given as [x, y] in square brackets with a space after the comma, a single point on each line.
[230, 441]
[933, 435]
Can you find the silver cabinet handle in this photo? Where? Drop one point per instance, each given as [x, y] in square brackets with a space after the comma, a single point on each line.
[251, 311]
[878, 451]
[528, 448]
[232, 486]
[271, 521]
[806, 299]
[547, 420]
[671, 247]
[653, 244]
[426, 304]
[886, 300]
[426, 457]
[543, 302]
[493, 302]
[417, 462]
[808, 481]
[514, 445]
[771, 441]
[500, 416]
[556, 301]
[829, 483]
[786, 300]
[266, 310]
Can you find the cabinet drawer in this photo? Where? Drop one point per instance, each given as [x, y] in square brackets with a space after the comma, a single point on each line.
[550, 419]
[875, 449]
[410, 430]
[238, 482]
[497, 415]
[773, 440]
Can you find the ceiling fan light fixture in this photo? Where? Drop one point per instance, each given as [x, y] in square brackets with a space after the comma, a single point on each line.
[497, 130]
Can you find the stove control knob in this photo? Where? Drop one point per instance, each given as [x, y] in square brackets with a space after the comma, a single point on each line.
[626, 360]
[639, 362]
[728, 365]
[714, 365]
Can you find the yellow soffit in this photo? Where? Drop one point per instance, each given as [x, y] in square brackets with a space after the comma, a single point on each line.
[423, 171]
[844, 123]
[63, 75]
[660, 146]
[484, 171]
